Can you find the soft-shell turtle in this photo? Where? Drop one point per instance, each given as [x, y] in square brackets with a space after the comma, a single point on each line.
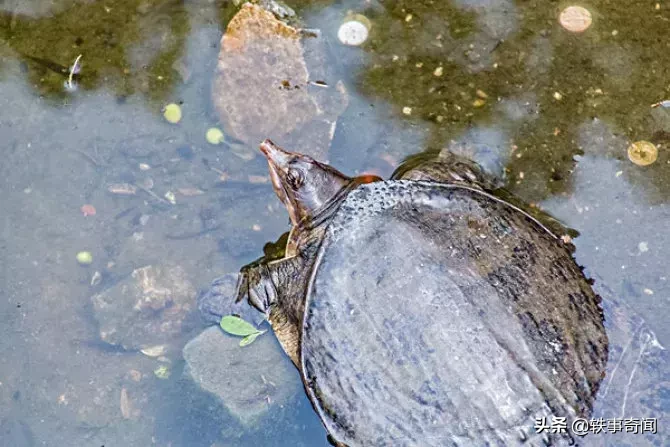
[426, 312]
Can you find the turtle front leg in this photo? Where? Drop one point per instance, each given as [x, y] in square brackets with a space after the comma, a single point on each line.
[255, 284]
[245, 293]
[277, 289]
[264, 284]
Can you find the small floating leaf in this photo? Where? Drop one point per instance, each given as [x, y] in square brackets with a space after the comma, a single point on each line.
[642, 153]
[214, 136]
[479, 102]
[237, 326]
[249, 339]
[84, 257]
[188, 192]
[154, 351]
[96, 278]
[122, 188]
[125, 404]
[171, 197]
[576, 19]
[172, 113]
[88, 210]
[162, 372]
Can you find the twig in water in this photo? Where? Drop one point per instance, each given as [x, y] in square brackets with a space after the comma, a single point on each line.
[74, 69]
[152, 194]
[89, 158]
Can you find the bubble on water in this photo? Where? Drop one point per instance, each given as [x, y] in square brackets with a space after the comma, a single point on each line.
[70, 86]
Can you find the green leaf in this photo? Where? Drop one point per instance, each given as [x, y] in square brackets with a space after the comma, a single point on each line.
[249, 339]
[162, 372]
[237, 326]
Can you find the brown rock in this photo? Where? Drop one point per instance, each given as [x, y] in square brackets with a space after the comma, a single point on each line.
[146, 309]
[271, 81]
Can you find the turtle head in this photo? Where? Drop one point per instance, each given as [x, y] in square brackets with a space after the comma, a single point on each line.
[303, 184]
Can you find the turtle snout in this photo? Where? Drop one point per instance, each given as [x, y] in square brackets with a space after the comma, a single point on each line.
[277, 157]
[267, 146]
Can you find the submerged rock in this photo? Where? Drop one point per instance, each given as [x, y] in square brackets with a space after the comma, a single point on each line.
[636, 387]
[16, 432]
[272, 80]
[249, 382]
[145, 309]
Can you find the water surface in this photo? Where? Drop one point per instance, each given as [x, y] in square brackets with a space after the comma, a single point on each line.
[549, 111]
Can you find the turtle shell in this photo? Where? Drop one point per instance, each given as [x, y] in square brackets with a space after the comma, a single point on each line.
[440, 315]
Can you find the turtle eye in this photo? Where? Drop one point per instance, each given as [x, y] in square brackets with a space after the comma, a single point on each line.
[294, 178]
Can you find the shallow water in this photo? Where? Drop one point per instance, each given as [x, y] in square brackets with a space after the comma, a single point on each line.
[555, 115]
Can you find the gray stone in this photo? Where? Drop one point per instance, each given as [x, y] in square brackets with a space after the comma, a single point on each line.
[248, 381]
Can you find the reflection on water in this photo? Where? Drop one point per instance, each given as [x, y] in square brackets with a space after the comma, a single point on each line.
[498, 81]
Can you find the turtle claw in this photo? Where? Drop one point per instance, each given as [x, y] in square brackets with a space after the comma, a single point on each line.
[255, 283]
[242, 287]
[226, 296]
